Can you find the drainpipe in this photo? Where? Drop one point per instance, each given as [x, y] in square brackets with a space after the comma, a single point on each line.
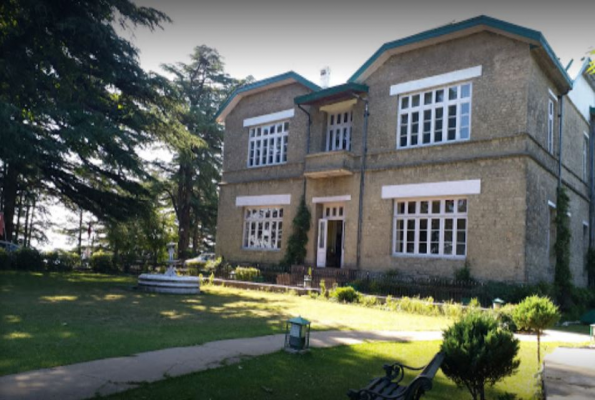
[561, 119]
[362, 180]
[592, 183]
[307, 142]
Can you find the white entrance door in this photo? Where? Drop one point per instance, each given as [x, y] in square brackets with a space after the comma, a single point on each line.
[321, 253]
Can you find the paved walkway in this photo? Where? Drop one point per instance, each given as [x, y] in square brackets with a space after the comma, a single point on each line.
[569, 374]
[103, 377]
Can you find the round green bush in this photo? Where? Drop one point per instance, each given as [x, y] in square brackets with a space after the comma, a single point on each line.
[103, 262]
[61, 261]
[478, 352]
[27, 259]
[346, 294]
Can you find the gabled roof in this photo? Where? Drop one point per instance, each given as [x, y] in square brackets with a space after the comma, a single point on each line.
[459, 29]
[259, 86]
[335, 93]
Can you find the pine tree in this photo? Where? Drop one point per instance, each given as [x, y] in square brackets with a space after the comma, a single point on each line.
[75, 103]
[202, 85]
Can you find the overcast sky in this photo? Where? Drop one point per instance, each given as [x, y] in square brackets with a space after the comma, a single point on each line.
[267, 37]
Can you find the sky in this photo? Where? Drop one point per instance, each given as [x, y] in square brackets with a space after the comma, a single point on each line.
[264, 38]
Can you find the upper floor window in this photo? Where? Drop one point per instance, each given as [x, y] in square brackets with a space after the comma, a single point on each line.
[550, 126]
[585, 156]
[263, 228]
[338, 133]
[431, 227]
[435, 116]
[268, 144]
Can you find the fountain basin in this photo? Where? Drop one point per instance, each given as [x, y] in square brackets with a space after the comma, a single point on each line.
[159, 283]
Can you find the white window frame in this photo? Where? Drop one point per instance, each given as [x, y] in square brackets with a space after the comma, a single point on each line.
[551, 111]
[252, 223]
[585, 156]
[265, 148]
[406, 108]
[341, 131]
[442, 216]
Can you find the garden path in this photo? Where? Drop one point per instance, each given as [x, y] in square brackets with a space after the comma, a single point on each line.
[112, 375]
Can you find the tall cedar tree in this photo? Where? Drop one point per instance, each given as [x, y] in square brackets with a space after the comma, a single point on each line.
[202, 85]
[296, 244]
[74, 102]
[562, 274]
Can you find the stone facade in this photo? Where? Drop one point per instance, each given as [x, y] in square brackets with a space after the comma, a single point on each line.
[508, 221]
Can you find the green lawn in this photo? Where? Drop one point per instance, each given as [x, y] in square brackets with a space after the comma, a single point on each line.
[56, 319]
[326, 374]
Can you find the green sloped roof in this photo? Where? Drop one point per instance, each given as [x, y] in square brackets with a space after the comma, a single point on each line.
[349, 87]
[529, 34]
[262, 84]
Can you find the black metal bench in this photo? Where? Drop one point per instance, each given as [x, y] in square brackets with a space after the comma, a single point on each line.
[387, 387]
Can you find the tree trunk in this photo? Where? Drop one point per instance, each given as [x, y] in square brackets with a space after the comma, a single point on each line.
[31, 223]
[80, 245]
[538, 349]
[184, 191]
[9, 193]
[195, 237]
[26, 233]
[18, 228]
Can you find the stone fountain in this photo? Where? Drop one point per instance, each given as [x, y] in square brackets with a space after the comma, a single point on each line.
[169, 282]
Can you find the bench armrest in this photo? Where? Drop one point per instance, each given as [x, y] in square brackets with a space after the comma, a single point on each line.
[396, 372]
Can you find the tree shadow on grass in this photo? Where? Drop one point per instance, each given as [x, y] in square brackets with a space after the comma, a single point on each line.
[320, 374]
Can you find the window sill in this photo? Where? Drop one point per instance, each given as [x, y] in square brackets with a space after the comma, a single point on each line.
[265, 166]
[265, 250]
[418, 146]
[429, 256]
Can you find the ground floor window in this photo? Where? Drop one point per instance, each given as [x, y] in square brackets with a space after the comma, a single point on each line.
[430, 227]
[263, 228]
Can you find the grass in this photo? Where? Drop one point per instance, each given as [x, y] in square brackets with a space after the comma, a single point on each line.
[326, 374]
[48, 320]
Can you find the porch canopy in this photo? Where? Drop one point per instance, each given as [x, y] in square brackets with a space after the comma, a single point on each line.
[335, 94]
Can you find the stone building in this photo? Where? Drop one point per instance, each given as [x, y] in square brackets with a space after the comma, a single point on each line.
[443, 148]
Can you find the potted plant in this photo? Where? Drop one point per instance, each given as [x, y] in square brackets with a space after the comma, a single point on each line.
[308, 279]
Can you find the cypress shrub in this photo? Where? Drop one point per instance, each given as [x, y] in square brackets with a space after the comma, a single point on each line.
[296, 244]
[477, 352]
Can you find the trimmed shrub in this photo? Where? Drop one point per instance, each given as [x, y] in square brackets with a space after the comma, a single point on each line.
[452, 310]
[212, 265]
[103, 262]
[536, 314]
[5, 259]
[195, 264]
[61, 261]
[249, 274]
[415, 305]
[369, 301]
[323, 291]
[345, 294]
[477, 352]
[27, 259]
[464, 274]
[505, 317]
